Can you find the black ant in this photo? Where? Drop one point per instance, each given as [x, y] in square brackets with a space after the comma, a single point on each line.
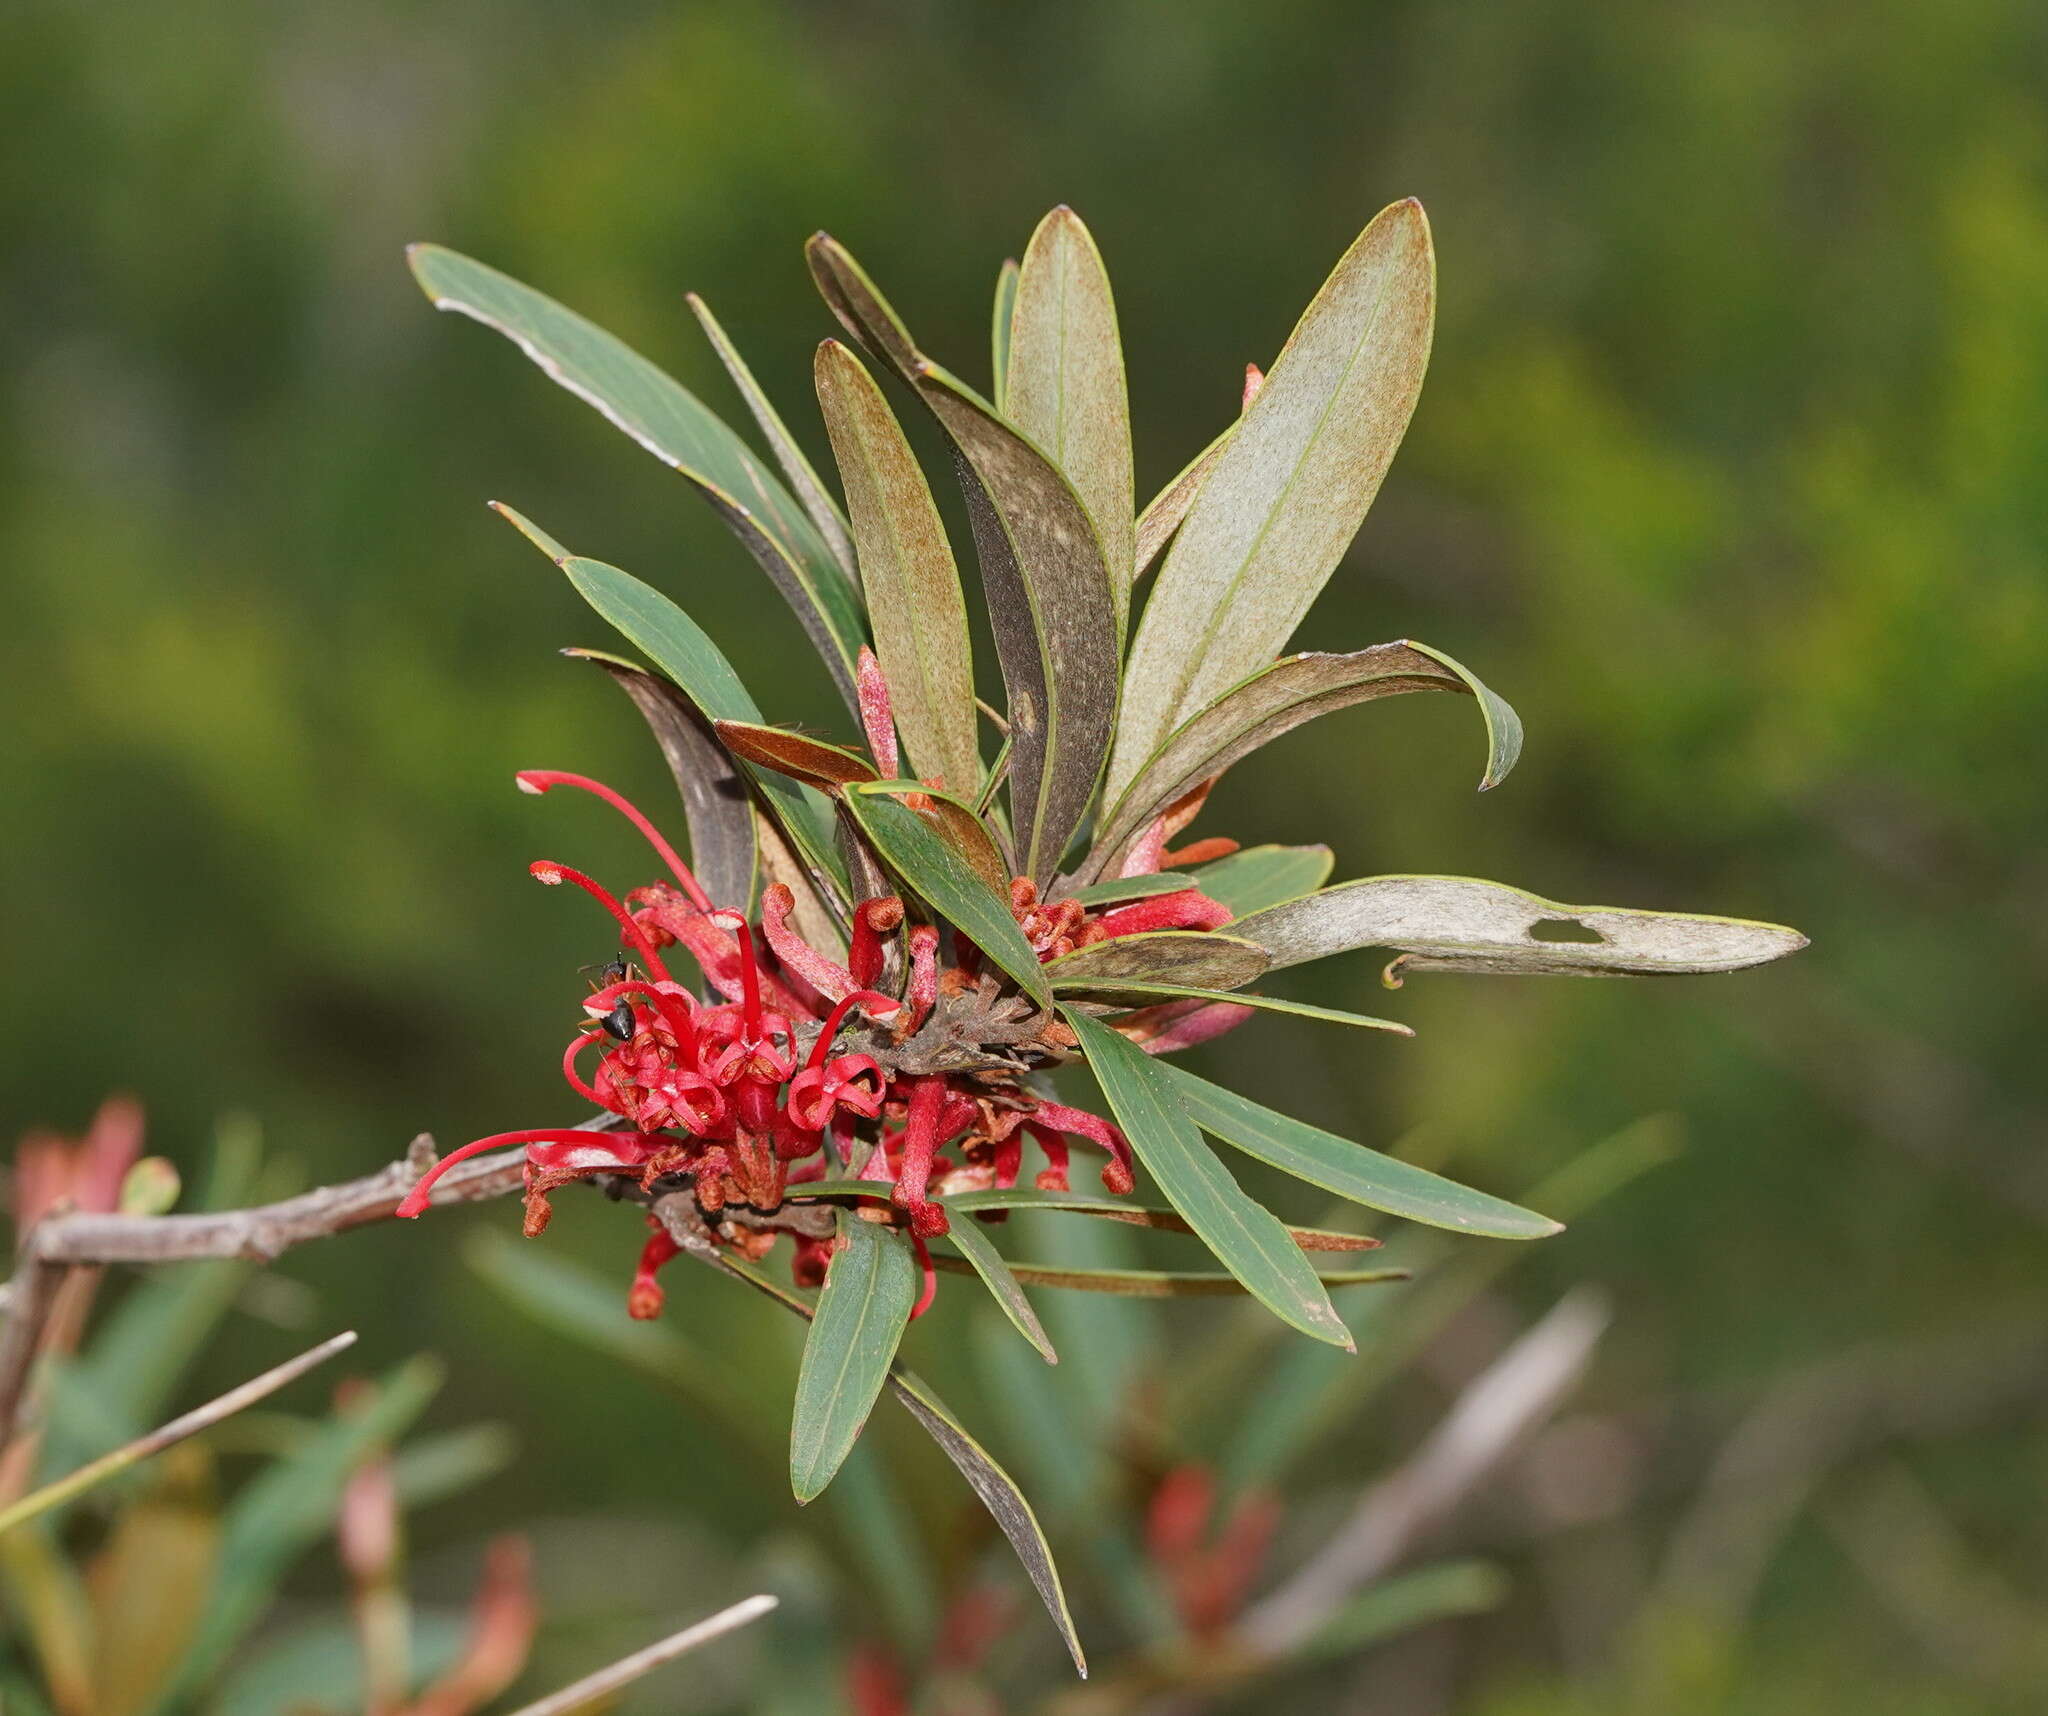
[618, 1023]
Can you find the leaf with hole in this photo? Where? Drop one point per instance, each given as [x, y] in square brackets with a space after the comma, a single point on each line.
[1289, 489]
[1248, 1239]
[913, 585]
[1350, 1170]
[863, 1309]
[676, 427]
[1459, 923]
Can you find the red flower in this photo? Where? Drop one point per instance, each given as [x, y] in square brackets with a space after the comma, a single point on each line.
[798, 1069]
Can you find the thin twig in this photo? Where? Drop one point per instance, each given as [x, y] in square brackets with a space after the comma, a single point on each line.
[198, 1419]
[1513, 1395]
[60, 1243]
[626, 1670]
[31, 1297]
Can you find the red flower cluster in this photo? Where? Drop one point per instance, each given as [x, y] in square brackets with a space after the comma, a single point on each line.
[750, 1096]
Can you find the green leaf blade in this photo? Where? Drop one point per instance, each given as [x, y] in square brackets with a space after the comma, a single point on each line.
[937, 870]
[675, 426]
[999, 331]
[815, 498]
[1066, 387]
[723, 850]
[1261, 876]
[1349, 1170]
[994, 1269]
[1248, 1239]
[1131, 992]
[1160, 1283]
[1273, 702]
[1051, 600]
[1289, 489]
[683, 651]
[864, 1308]
[1206, 959]
[1460, 923]
[912, 580]
[995, 1488]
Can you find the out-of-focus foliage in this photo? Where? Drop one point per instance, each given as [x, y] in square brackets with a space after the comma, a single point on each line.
[1727, 471]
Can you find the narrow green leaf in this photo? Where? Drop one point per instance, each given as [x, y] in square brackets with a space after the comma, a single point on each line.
[1136, 1215]
[583, 1308]
[1248, 1239]
[995, 1487]
[1051, 601]
[716, 805]
[1350, 1170]
[1391, 1607]
[1066, 382]
[1206, 959]
[863, 1310]
[934, 868]
[994, 1270]
[1122, 888]
[1503, 725]
[914, 596]
[1276, 700]
[675, 426]
[432, 1468]
[1458, 923]
[1132, 992]
[1103, 1204]
[813, 495]
[999, 330]
[1290, 488]
[677, 645]
[287, 1508]
[1157, 1283]
[1262, 876]
[959, 825]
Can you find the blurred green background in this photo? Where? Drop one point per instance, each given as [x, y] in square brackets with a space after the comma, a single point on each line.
[1729, 473]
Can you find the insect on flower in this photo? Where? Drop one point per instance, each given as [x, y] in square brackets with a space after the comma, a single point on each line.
[842, 1021]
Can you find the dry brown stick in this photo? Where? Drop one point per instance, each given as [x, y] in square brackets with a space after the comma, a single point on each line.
[200, 1418]
[61, 1243]
[626, 1670]
[1517, 1391]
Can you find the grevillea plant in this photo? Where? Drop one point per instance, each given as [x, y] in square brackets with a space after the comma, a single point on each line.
[840, 1021]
